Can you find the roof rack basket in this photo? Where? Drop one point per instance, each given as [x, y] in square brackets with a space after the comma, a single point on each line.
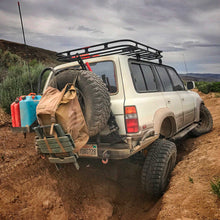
[123, 47]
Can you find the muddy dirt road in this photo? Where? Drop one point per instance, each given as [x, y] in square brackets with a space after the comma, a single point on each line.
[31, 188]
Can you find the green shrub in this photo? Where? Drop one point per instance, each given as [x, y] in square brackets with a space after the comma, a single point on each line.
[18, 81]
[216, 187]
[207, 87]
[215, 87]
[217, 95]
[7, 59]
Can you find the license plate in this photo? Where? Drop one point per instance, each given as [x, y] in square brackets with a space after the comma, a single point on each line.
[89, 150]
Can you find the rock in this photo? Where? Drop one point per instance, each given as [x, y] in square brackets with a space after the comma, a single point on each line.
[47, 204]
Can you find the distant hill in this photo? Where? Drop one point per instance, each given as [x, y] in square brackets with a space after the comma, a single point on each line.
[28, 53]
[48, 58]
[207, 77]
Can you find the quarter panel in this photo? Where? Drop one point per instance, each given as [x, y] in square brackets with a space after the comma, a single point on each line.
[146, 104]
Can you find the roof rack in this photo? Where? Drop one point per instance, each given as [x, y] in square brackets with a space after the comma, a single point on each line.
[124, 47]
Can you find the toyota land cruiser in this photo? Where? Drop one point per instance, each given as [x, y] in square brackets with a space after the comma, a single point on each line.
[132, 105]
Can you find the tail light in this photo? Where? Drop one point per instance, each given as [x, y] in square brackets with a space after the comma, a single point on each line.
[131, 119]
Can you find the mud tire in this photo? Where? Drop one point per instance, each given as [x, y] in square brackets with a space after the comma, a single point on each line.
[158, 165]
[206, 123]
[93, 96]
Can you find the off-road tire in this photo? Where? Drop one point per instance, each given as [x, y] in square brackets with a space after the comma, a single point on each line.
[94, 97]
[158, 165]
[205, 124]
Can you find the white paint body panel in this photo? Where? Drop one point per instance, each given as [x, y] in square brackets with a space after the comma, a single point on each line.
[183, 104]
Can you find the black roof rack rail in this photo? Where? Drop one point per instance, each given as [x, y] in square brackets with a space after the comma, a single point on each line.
[124, 47]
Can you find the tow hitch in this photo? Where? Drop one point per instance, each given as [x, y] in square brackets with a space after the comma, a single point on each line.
[105, 156]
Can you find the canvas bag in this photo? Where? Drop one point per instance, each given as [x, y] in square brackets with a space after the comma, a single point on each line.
[63, 107]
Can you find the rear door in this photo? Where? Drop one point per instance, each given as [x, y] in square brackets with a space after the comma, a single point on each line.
[186, 98]
[109, 71]
[173, 101]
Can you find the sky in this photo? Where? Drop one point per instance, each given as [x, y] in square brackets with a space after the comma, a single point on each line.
[188, 31]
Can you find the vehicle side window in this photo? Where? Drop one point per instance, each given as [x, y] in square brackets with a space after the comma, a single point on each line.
[143, 77]
[165, 79]
[177, 83]
[149, 77]
[138, 78]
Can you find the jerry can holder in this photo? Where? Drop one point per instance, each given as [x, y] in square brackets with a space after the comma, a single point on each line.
[58, 147]
[26, 129]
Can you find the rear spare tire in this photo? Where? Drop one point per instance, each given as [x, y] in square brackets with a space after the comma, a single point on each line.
[93, 96]
[205, 124]
[158, 165]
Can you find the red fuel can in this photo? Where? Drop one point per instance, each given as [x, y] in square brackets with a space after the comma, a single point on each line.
[15, 114]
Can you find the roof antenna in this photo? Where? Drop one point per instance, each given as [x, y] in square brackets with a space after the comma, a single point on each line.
[22, 27]
[185, 63]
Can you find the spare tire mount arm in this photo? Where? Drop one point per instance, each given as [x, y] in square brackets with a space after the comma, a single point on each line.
[41, 76]
[80, 61]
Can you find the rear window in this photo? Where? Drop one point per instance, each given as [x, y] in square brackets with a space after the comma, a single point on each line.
[106, 71]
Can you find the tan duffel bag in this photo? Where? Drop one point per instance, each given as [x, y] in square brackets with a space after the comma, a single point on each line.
[63, 107]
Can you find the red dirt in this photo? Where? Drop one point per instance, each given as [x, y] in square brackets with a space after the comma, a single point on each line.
[31, 188]
[5, 119]
[201, 163]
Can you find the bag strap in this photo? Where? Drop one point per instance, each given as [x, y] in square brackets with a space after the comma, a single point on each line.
[47, 144]
[75, 79]
[51, 129]
[56, 138]
[53, 116]
[59, 143]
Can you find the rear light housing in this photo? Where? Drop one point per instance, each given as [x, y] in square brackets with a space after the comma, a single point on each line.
[131, 119]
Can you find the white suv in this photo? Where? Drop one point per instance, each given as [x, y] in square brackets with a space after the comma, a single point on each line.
[149, 105]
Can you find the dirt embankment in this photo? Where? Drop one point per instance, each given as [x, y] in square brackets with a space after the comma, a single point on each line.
[5, 119]
[31, 188]
[189, 195]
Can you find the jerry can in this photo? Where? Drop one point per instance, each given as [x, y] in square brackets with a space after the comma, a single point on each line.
[28, 109]
[15, 113]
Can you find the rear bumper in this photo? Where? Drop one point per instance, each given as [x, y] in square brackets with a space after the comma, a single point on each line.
[113, 152]
[122, 150]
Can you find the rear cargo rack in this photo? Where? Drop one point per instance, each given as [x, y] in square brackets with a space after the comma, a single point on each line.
[127, 47]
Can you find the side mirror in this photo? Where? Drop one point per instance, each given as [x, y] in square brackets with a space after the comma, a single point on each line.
[190, 85]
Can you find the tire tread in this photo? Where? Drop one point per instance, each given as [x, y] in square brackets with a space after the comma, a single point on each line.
[154, 166]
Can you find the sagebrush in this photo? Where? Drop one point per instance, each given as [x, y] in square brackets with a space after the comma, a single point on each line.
[207, 87]
[18, 78]
[215, 185]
